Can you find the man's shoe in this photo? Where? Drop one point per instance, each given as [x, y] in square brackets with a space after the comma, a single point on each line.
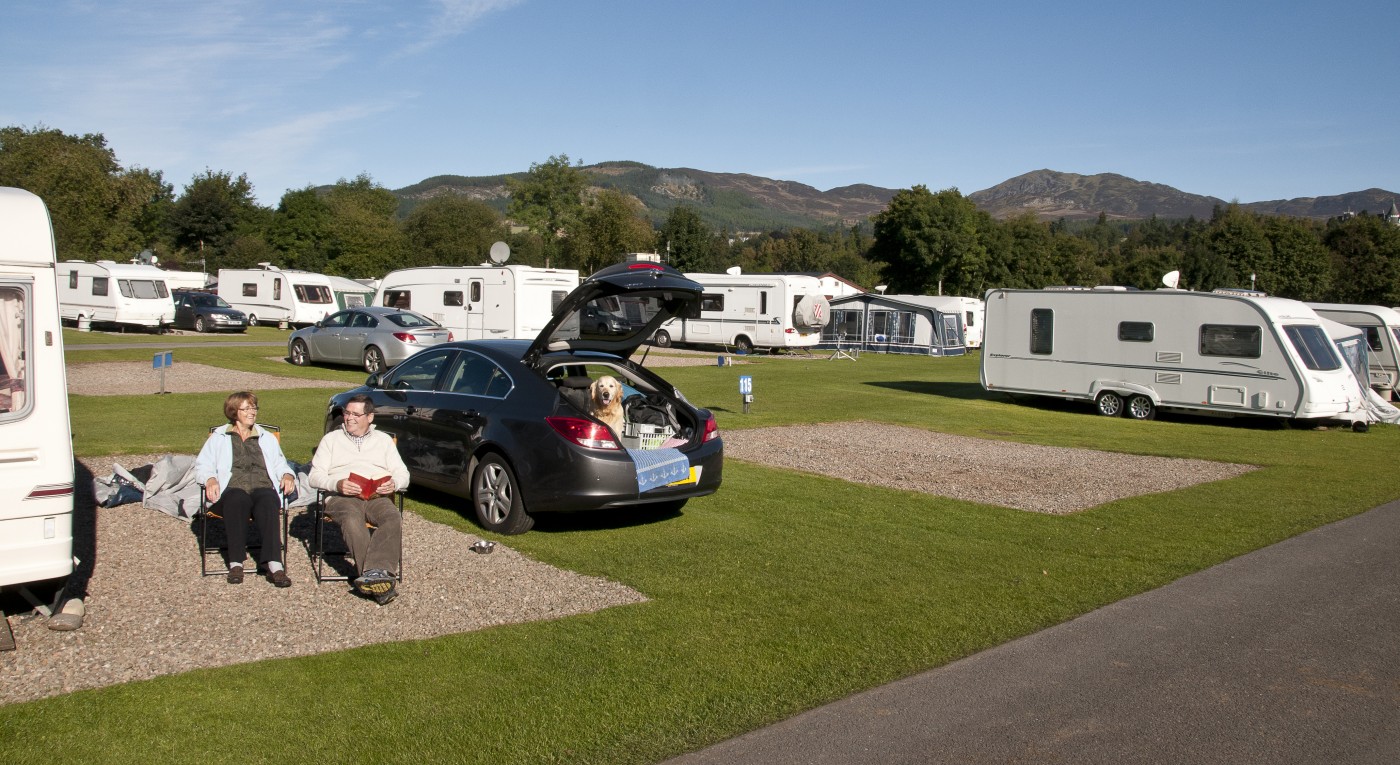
[279, 578]
[375, 582]
[235, 575]
[383, 598]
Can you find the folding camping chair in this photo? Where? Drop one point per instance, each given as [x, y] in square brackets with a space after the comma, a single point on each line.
[207, 512]
[317, 547]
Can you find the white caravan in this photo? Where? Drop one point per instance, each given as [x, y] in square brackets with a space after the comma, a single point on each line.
[36, 448]
[749, 311]
[107, 292]
[1382, 328]
[480, 302]
[974, 313]
[1132, 352]
[270, 295]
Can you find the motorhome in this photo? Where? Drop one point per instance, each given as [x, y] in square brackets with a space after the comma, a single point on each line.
[974, 315]
[480, 302]
[107, 292]
[36, 449]
[749, 311]
[1133, 352]
[1382, 328]
[271, 295]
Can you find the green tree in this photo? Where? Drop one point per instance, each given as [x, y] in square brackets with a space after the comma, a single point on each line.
[98, 209]
[931, 242]
[300, 230]
[365, 238]
[1237, 237]
[1302, 266]
[451, 230]
[548, 200]
[1145, 268]
[215, 209]
[687, 240]
[611, 225]
[1367, 252]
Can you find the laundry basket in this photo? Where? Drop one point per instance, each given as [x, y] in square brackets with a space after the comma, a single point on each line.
[636, 435]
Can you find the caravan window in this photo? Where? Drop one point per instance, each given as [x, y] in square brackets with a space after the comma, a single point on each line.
[124, 287]
[1042, 331]
[72, 280]
[1135, 331]
[1231, 340]
[555, 298]
[1373, 338]
[452, 298]
[711, 302]
[970, 322]
[142, 289]
[398, 299]
[99, 285]
[317, 294]
[250, 289]
[1313, 347]
[276, 289]
[16, 309]
[763, 303]
[476, 294]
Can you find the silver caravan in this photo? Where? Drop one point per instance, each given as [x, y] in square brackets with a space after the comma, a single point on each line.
[1382, 328]
[107, 292]
[36, 446]
[1132, 353]
[748, 311]
[270, 295]
[480, 302]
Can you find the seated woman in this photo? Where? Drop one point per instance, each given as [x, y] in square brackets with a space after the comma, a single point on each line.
[240, 467]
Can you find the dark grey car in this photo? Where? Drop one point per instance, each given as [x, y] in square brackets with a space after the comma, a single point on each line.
[207, 312]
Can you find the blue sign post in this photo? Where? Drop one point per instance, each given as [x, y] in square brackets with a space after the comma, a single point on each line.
[746, 390]
[163, 361]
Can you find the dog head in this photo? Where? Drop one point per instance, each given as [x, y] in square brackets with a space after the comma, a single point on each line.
[605, 391]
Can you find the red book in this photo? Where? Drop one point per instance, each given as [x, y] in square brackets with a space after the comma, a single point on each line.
[368, 486]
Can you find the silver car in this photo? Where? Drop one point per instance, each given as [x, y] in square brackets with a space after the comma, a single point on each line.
[373, 337]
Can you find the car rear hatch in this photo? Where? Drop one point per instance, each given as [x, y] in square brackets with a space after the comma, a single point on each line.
[642, 294]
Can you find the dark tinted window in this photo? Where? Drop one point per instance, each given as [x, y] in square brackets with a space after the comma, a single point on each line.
[1134, 331]
[419, 372]
[1042, 331]
[1373, 338]
[410, 320]
[1314, 347]
[475, 375]
[99, 285]
[364, 321]
[452, 297]
[336, 319]
[1231, 340]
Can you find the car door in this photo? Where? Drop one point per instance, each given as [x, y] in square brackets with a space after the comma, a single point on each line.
[355, 336]
[184, 312]
[472, 387]
[406, 395]
[324, 339]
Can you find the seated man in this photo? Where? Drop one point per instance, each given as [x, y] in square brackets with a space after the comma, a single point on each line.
[358, 449]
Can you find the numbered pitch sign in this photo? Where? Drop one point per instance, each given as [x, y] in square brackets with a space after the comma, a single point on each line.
[746, 391]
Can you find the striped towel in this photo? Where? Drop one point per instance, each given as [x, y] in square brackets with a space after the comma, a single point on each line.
[658, 467]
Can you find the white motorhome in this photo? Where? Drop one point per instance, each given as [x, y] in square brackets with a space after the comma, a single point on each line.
[270, 295]
[107, 292]
[1382, 328]
[1132, 352]
[480, 302]
[974, 313]
[36, 446]
[748, 311]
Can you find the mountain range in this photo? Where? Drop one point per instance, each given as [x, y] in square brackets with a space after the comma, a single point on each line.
[741, 202]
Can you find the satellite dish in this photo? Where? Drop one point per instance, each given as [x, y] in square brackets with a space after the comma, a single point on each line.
[500, 253]
[1171, 279]
[732, 270]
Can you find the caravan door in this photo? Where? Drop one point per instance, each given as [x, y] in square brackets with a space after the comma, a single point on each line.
[476, 310]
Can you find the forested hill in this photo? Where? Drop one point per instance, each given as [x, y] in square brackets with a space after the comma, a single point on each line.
[739, 202]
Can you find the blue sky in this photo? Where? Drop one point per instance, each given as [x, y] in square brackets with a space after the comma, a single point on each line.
[1251, 100]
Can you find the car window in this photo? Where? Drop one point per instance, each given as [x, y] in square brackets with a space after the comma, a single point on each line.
[410, 320]
[336, 319]
[363, 320]
[475, 375]
[419, 372]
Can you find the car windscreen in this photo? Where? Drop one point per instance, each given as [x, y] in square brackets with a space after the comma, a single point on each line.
[612, 318]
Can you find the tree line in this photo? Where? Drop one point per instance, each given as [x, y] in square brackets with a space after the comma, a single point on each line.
[924, 243]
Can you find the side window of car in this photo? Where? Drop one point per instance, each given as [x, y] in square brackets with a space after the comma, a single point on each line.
[419, 372]
[363, 321]
[336, 319]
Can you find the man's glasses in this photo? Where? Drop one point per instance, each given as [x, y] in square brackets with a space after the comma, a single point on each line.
[356, 414]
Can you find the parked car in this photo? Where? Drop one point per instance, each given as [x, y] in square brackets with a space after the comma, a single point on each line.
[508, 424]
[207, 312]
[603, 321]
[374, 337]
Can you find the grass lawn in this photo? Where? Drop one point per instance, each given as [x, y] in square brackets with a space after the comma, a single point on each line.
[781, 592]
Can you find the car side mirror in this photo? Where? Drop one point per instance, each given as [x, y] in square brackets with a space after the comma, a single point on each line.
[321, 324]
[375, 380]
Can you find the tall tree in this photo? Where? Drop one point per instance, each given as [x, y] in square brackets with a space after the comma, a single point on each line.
[300, 229]
[548, 200]
[451, 230]
[365, 238]
[1302, 267]
[687, 240]
[930, 242]
[99, 210]
[1367, 252]
[215, 209]
[611, 224]
[1237, 237]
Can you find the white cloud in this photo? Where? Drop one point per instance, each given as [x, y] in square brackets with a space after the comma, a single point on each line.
[455, 17]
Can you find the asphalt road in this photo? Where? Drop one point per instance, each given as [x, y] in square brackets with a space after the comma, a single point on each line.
[1285, 655]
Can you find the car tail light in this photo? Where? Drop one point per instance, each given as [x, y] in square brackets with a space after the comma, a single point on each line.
[711, 429]
[585, 433]
[790, 330]
[405, 337]
[449, 336]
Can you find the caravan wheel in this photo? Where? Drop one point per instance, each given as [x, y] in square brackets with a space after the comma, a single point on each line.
[252, 320]
[662, 338]
[1110, 404]
[1140, 407]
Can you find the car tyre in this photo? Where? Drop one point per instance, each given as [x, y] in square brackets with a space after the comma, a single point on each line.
[199, 325]
[1140, 407]
[1110, 404]
[662, 338]
[496, 498]
[374, 360]
[300, 355]
[252, 320]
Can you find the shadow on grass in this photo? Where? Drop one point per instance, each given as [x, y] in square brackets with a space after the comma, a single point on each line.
[966, 391]
[1086, 408]
[547, 522]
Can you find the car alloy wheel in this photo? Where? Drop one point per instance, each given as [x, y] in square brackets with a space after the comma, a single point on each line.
[374, 360]
[300, 356]
[496, 498]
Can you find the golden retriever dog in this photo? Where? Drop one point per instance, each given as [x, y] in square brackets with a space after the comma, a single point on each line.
[605, 399]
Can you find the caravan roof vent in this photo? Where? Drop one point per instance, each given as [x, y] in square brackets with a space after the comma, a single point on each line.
[1238, 292]
[1110, 288]
[1067, 288]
